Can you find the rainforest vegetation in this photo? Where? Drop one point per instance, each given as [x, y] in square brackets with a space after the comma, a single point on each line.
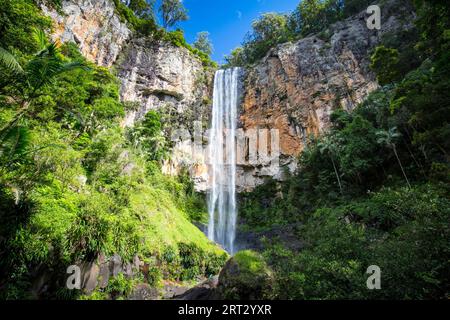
[373, 190]
[73, 183]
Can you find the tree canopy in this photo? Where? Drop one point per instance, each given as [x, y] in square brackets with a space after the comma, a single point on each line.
[203, 43]
[172, 12]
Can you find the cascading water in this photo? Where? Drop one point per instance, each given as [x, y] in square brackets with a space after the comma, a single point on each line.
[222, 159]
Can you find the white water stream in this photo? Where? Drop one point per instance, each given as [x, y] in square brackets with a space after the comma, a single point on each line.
[222, 159]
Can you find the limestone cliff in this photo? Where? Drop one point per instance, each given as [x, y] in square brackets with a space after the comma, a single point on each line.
[153, 73]
[156, 74]
[159, 76]
[296, 86]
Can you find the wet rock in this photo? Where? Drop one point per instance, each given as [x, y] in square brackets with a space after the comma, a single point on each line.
[104, 274]
[199, 293]
[89, 276]
[115, 265]
[204, 291]
[42, 279]
[287, 235]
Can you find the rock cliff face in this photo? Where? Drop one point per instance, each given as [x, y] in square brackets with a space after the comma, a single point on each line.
[154, 75]
[94, 26]
[293, 90]
[159, 75]
[296, 86]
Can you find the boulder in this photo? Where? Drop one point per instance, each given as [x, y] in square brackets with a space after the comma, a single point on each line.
[246, 276]
[89, 276]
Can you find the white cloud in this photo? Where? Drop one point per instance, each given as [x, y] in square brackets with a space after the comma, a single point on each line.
[239, 14]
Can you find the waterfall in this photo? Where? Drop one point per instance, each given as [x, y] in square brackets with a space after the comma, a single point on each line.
[222, 159]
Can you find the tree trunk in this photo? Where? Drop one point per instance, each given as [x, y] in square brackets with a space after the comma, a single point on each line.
[337, 175]
[400, 163]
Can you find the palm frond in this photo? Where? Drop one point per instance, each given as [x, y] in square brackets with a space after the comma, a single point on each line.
[9, 61]
[47, 64]
[40, 37]
[53, 50]
[14, 142]
[69, 66]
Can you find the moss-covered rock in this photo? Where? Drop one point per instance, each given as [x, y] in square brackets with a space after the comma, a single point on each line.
[246, 276]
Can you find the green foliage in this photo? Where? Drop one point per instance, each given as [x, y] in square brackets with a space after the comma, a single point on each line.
[188, 261]
[235, 58]
[14, 144]
[424, 94]
[141, 18]
[203, 43]
[267, 31]
[390, 156]
[264, 207]
[191, 258]
[404, 41]
[172, 12]
[73, 185]
[177, 39]
[246, 276]
[96, 295]
[384, 62]
[271, 29]
[18, 19]
[101, 226]
[139, 15]
[10, 62]
[119, 286]
[434, 23]
[142, 8]
[148, 136]
[250, 261]
[25, 85]
[391, 229]
[316, 15]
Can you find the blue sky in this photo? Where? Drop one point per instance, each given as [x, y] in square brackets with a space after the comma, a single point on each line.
[227, 20]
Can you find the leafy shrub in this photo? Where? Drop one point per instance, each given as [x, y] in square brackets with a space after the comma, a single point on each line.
[154, 276]
[384, 62]
[263, 207]
[96, 295]
[192, 260]
[18, 20]
[119, 286]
